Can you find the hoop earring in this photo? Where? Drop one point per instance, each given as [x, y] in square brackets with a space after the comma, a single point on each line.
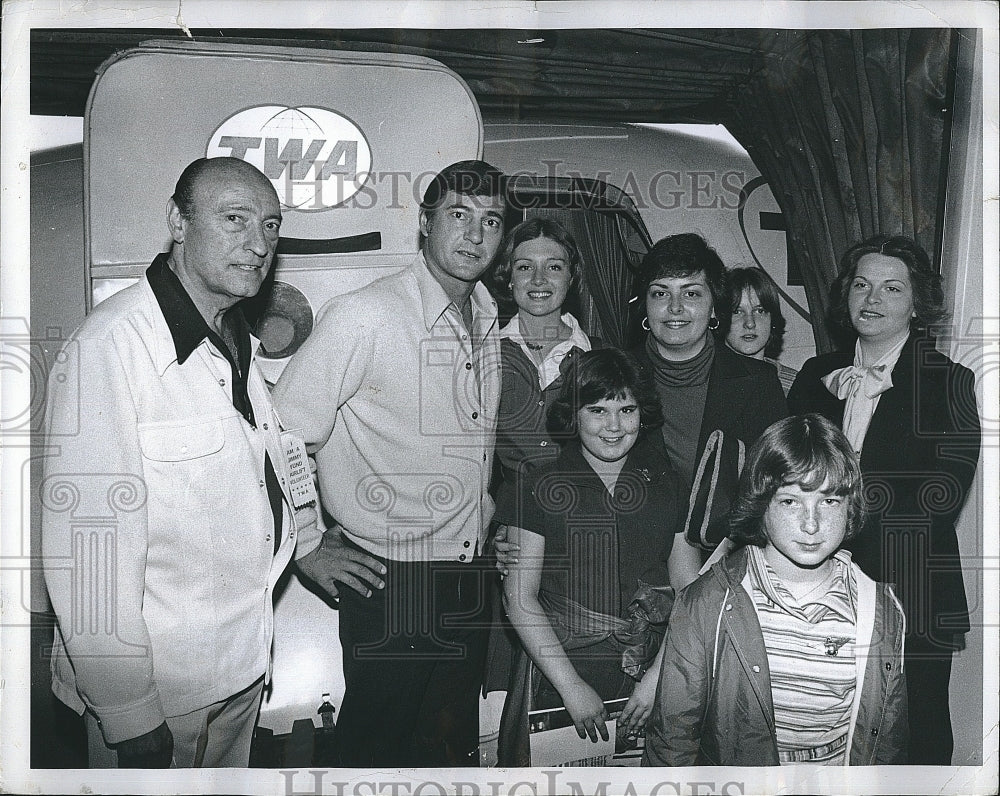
[645, 324]
[715, 321]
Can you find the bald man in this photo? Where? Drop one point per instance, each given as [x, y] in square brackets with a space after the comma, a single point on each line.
[166, 510]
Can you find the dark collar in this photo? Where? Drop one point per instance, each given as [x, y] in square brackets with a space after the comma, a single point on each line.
[733, 566]
[644, 460]
[728, 364]
[187, 326]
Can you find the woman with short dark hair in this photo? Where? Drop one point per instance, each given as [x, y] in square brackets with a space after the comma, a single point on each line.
[715, 402]
[911, 414]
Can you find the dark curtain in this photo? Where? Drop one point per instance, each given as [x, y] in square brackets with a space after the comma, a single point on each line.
[851, 130]
[602, 306]
[609, 279]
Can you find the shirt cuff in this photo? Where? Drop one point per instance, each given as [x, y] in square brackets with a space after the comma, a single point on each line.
[123, 722]
[308, 539]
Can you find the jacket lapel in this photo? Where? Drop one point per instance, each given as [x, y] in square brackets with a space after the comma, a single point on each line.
[726, 400]
[895, 409]
[829, 404]
[742, 624]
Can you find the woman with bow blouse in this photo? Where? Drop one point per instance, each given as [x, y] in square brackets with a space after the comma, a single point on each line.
[910, 412]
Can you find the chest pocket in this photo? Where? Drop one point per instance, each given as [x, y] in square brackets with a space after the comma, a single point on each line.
[178, 442]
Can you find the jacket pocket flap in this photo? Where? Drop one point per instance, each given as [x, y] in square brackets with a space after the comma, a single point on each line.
[181, 441]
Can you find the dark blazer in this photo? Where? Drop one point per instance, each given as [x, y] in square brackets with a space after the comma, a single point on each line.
[918, 459]
[744, 398]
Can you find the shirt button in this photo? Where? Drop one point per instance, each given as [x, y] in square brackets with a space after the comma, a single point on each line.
[268, 537]
[888, 666]
[265, 427]
[260, 484]
[468, 366]
[462, 557]
[222, 382]
[729, 607]
[544, 442]
[466, 543]
[756, 669]
[541, 403]
[874, 730]
[475, 415]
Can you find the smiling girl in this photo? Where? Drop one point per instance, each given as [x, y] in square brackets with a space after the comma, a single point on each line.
[596, 530]
[785, 652]
[538, 268]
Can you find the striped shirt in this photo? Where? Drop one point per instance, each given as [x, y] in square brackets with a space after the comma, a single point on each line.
[810, 654]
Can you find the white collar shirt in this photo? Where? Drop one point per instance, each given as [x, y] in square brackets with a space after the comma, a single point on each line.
[548, 368]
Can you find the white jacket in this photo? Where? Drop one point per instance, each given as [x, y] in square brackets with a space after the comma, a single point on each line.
[156, 526]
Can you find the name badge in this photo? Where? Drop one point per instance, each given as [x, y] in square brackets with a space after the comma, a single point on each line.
[300, 479]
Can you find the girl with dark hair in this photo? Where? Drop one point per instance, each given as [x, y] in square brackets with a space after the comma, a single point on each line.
[590, 590]
[755, 326]
[911, 414]
[785, 652]
[715, 402]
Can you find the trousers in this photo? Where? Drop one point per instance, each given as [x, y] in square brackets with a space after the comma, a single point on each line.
[927, 679]
[414, 654]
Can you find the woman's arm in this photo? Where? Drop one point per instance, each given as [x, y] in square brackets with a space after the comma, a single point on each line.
[682, 568]
[520, 587]
[960, 422]
[636, 712]
[683, 563]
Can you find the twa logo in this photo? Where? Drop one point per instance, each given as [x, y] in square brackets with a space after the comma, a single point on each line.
[315, 158]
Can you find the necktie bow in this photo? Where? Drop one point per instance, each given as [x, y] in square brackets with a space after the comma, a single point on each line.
[872, 381]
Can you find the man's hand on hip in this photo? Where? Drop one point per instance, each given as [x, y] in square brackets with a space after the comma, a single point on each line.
[155, 749]
[335, 562]
[505, 550]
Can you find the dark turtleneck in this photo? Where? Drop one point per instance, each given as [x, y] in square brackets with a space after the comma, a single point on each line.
[683, 390]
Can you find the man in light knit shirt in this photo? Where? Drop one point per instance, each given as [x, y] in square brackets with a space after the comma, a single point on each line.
[398, 389]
